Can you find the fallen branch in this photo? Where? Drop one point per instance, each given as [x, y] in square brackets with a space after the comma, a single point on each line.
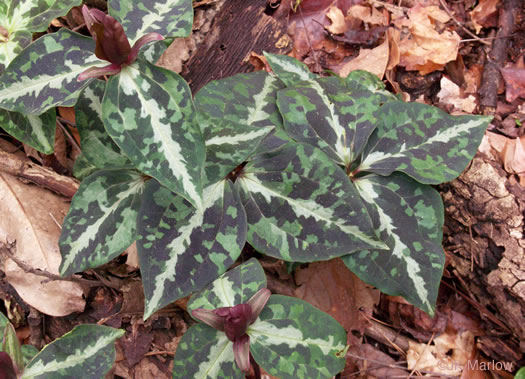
[42, 176]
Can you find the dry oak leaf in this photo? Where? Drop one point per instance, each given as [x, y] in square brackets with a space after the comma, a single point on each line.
[451, 94]
[514, 77]
[367, 14]
[485, 14]
[337, 17]
[333, 288]
[372, 60]
[28, 217]
[422, 47]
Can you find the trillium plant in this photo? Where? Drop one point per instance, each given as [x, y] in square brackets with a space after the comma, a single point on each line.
[303, 168]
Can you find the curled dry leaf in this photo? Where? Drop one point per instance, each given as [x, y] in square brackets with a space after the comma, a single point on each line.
[28, 217]
[451, 94]
[446, 355]
[485, 14]
[372, 60]
[337, 17]
[510, 152]
[514, 77]
[424, 48]
[333, 288]
[367, 14]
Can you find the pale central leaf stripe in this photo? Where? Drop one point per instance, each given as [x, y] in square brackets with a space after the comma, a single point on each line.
[154, 17]
[220, 351]
[178, 246]
[91, 231]
[445, 136]
[257, 113]
[162, 131]
[308, 208]
[238, 138]
[413, 269]
[37, 126]
[289, 336]
[27, 86]
[77, 358]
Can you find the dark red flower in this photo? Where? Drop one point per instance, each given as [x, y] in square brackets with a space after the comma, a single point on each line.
[7, 370]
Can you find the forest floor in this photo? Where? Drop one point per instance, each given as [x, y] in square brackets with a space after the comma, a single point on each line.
[466, 57]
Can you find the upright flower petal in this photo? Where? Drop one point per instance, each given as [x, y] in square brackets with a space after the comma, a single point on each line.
[209, 318]
[115, 42]
[257, 302]
[241, 353]
[237, 321]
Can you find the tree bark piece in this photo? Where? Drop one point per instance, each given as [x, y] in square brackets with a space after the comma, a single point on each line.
[42, 176]
[496, 58]
[240, 28]
[485, 243]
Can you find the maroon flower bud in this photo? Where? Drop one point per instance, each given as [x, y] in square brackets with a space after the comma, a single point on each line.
[7, 370]
[236, 320]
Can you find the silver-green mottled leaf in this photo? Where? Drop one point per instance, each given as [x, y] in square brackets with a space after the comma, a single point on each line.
[148, 111]
[234, 287]
[12, 46]
[229, 144]
[302, 207]
[292, 339]
[101, 222]
[205, 353]
[324, 114]
[289, 70]
[83, 167]
[363, 80]
[423, 142]
[35, 131]
[181, 249]
[244, 99]
[36, 15]
[85, 352]
[409, 218]
[97, 145]
[44, 75]
[28, 353]
[9, 344]
[169, 18]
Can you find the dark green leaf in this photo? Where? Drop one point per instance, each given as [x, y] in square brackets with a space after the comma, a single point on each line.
[409, 217]
[423, 142]
[101, 222]
[181, 249]
[35, 131]
[148, 111]
[292, 339]
[302, 207]
[289, 70]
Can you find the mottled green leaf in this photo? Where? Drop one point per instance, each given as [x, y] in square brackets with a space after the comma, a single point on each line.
[169, 18]
[45, 74]
[154, 50]
[423, 142]
[204, 352]
[409, 218]
[97, 145]
[302, 207]
[324, 114]
[229, 144]
[289, 70]
[363, 80]
[181, 249]
[244, 99]
[101, 222]
[12, 45]
[35, 131]
[85, 352]
[148, 111]
[9, 343]
[292, 339]
[234, 287]
[28, 353]
[36, 15]
[83, 167]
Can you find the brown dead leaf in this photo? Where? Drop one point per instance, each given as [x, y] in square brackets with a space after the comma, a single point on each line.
[337, 17]
[372, 60]
[132, 260]
[422, 46]
[514, 77]
[373, 363]
[367, 14]
[446, 355]
[147, 369]
[61, 150]
[28, 217]
[485, 14]
[473, 78]
[508, 151]
[394, 55]
[333, 288]
[176, 54]
[451, 94]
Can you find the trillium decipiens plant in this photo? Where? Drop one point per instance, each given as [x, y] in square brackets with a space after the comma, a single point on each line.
[286, 336]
